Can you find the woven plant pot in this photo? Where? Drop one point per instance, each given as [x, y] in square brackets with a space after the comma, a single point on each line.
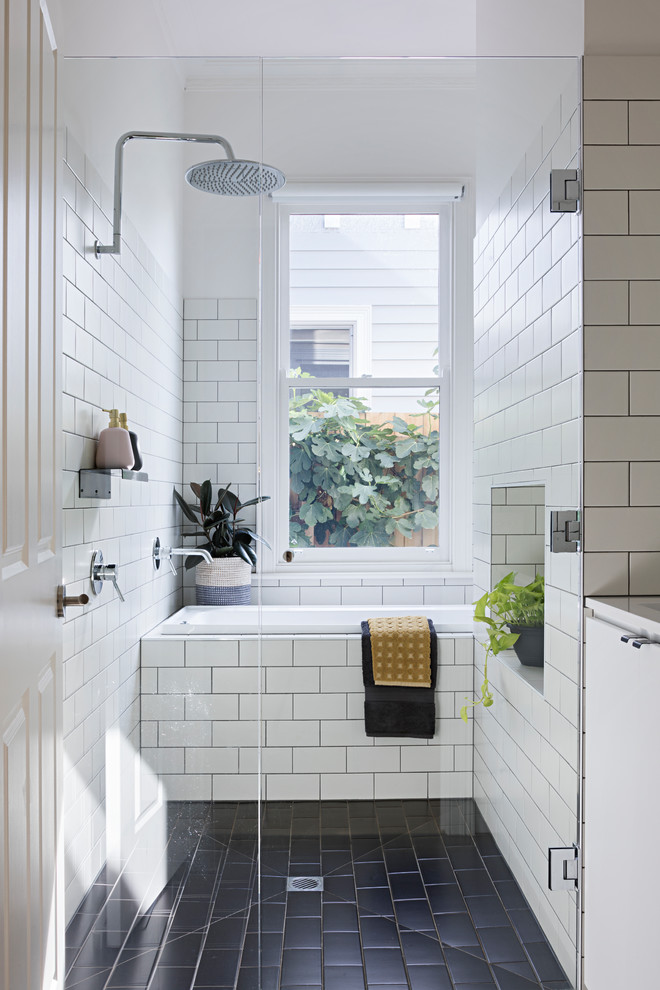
[224, 582]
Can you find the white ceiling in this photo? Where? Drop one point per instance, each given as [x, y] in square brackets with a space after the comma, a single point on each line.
[318, 27]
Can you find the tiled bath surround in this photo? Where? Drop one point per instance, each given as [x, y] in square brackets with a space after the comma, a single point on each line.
[622, 325]
[527, 429]
[220, 443]
[122, 338]
[200, 730]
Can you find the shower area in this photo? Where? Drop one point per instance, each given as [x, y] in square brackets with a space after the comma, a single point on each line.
[371, 331]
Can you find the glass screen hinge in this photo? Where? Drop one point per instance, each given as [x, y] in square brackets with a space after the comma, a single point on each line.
[565, 531]
[564, 868]
[565, 190]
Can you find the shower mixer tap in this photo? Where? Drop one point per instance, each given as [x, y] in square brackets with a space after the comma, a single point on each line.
[100, 572]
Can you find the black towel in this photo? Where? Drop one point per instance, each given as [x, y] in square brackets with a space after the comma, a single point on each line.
[398, 711]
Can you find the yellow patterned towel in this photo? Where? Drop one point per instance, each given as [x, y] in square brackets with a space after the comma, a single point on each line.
[401, 651]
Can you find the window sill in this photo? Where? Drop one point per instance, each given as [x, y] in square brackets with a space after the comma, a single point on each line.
[361, 574]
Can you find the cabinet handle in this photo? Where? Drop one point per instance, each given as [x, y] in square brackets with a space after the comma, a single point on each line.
[638, 641]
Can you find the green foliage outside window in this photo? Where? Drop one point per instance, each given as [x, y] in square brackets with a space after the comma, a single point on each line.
[356, 481]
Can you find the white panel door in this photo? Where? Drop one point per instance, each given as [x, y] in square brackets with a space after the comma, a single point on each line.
[622, 810]
[30, 564]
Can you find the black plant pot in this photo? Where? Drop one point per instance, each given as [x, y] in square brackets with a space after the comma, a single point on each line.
[529, 645]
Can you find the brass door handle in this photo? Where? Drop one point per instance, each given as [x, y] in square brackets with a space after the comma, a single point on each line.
[64, 600]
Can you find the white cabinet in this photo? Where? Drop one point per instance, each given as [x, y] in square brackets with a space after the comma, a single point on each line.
[622, 806]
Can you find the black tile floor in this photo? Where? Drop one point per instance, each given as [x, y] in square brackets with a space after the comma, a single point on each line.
[416, 897]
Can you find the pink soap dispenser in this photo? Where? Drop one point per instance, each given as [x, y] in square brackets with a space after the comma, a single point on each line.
[114, 448]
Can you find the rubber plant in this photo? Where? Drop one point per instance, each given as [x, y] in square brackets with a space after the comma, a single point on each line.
[225, 534]
[508, 603]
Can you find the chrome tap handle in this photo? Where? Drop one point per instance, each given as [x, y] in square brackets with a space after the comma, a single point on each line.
[160, 553]
[110, 574]
[100, 572]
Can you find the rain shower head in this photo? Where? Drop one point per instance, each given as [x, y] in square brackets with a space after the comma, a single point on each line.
[234, 177]
[229, 176]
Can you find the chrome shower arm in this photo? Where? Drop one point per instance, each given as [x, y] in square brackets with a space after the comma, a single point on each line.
[119, 169]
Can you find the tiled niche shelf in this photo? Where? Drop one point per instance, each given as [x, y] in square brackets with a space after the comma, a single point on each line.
[518, 544]
[97, 482]
[532, 675]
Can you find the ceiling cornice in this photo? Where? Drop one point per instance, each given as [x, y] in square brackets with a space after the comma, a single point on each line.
[334, 75]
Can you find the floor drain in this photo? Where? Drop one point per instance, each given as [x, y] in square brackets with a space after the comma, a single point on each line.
[304, 883]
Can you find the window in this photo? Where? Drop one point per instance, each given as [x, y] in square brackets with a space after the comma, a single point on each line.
[330, 341]
[322, 352]
[361, 448]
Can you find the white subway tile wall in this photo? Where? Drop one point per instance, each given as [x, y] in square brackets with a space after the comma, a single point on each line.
[220, 394]
[527, 389]
[220, 443]
[517, 532]
[622, 327]
[123, 347]
[312, 722]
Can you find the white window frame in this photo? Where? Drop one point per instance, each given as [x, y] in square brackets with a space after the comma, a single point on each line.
[455, 391]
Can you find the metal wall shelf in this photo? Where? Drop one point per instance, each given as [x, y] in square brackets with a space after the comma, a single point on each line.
[97, 482]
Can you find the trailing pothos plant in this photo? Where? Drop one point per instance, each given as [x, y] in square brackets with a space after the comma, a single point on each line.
[510, 604]
[355, 481]
[225, 534]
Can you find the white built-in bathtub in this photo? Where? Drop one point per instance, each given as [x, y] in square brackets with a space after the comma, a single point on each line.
[296, 620]
[231, 695]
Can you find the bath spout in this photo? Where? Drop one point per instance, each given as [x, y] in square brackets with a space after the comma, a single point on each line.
[160, 553]
[189, 552]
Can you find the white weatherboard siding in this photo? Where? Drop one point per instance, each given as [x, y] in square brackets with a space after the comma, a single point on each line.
[389, 268]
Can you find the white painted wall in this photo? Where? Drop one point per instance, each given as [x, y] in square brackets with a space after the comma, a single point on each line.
[529, 27]
[513, 98]
[334, 119]
[343, 27]
[102, 99]
[220, 234]
[321, 120]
